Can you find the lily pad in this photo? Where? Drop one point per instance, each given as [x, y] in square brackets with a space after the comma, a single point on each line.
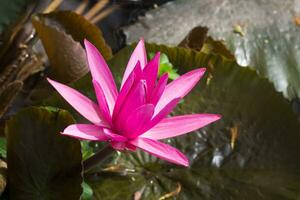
[251, 153]
[261, 34]
[62, 34]
[42, 164]
[274, 52]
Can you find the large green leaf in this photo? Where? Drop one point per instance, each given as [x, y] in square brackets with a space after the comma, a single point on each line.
[42, 163]
[262, 163]
[62, 34]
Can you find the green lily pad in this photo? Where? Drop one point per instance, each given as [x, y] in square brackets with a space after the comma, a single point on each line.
[251, 153]
[62, 34]
[42, 164]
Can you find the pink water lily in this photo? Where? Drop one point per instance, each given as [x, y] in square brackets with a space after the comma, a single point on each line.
[136, 116]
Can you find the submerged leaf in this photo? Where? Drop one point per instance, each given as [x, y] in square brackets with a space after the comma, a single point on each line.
[42, 164]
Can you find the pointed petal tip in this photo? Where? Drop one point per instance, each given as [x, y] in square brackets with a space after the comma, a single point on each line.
[141, 44]
[88, 45]
[142, 40]
[157, 57]
[218, 116]
[68, 135]
[64, 133]
[186, 163]
[86, 42]
[201, 71]
[53, 82]
[214, 117]
[158, 53]
[165, 75]
[198, 72]
[50, 80]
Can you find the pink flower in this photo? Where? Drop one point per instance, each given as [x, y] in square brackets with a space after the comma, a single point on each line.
[136, 115]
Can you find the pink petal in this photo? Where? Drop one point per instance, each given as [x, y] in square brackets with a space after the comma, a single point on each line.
[175, 126]
[159, 89]
[139, 54]
[179, 87]
[135, 75]
[151, 71]
[101, 73]
[162, 114]
[113, 136]
[103, 107]
[123, 94]
[161, 150]
[138, 71]
[86, 132]
[134, 99]
[79, 102]
[137, 120]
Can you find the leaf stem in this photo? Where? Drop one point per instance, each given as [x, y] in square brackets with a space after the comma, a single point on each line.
[97, 158]
[95, 9]
[52, 6]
